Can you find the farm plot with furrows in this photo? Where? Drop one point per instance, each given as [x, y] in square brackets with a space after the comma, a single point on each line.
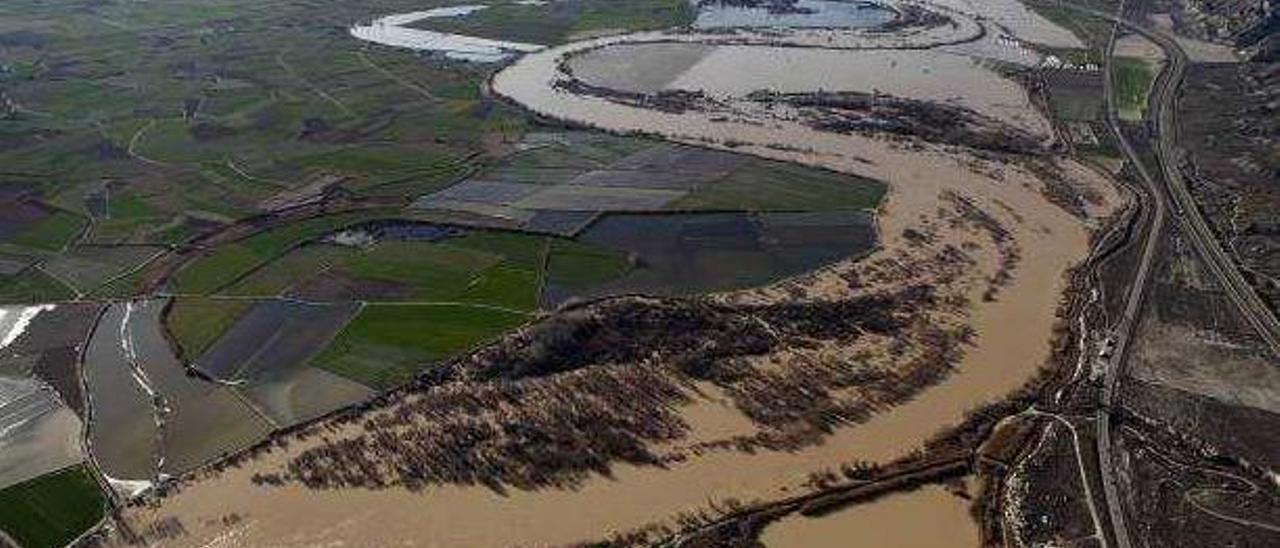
[675, 254]
[52, 510]
[267, 353]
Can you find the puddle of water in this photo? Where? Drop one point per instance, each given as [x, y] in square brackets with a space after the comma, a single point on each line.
[148, 415]
[392, 30]
[803, 14]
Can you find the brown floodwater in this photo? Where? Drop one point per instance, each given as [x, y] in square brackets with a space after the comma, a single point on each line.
[928, 517]
[1011, 343]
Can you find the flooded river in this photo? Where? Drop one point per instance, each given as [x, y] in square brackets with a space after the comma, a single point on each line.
[1011, 342]
[928, 517]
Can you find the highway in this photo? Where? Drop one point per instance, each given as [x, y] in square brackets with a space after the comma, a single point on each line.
[1124, 328]
[1161, 195]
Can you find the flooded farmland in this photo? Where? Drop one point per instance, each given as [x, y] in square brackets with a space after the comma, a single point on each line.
[686, 254]
[149, 415]
[988, 213]
[40, 397]
[38, 433]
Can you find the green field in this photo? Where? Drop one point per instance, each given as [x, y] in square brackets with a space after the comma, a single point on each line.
[278, 276]
[52, 510]
[763, 186]
[1093, 31]
[386, 344]
[32, 286]
[196, 323]
[230, 262]
[1132, 79]
[559, 21]
[51, 233]
[576, 265]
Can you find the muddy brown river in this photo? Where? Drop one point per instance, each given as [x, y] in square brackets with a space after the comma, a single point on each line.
[1011, 341]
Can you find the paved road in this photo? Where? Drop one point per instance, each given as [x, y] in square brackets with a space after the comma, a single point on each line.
[1154, 204]
[1210, 250]
[1171, 192]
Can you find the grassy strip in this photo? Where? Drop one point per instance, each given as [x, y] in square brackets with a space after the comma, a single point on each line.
[575, 265]
[386, 344]
[51, 510]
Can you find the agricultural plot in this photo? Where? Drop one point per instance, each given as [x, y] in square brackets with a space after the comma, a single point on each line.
[53, 338]
[284, 273]
[675, 254]
[50, 233]
[195, 323]
[32, 285]
[762, 185]
[553, 188]
[52, 510]
[87, 267]
[229, 263]
[39, 394]
[38, 433]
[266, 355]
[386, 344]
[553, 22]
[20, 216]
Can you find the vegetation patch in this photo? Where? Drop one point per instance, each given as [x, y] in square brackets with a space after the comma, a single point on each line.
[196, 323]
[52, 510]
[386, 344]
[50, 233]
[1132, 79]
[230, 262]
[759, 186]
[555, 22]
[32, 286]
